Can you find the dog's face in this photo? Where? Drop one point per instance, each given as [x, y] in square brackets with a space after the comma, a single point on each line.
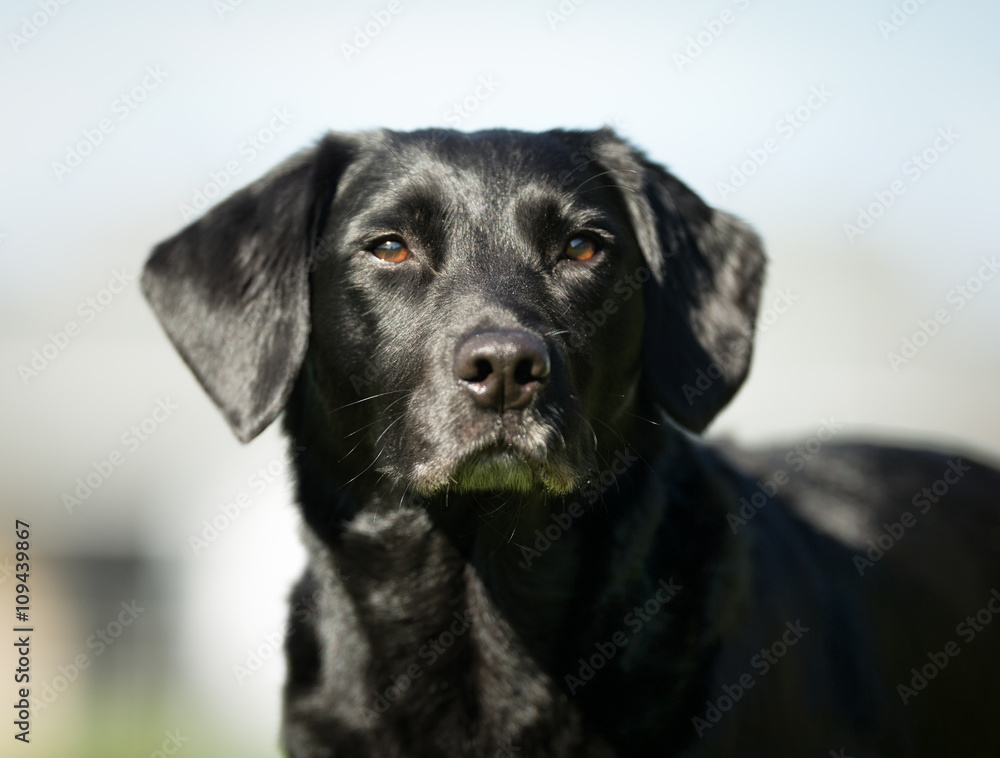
[476, 312]
[461, 281]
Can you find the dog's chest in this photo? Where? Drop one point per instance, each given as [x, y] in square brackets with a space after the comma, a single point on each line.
[442, 671]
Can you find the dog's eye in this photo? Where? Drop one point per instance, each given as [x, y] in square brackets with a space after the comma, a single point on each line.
[391, 251]
[580, 249]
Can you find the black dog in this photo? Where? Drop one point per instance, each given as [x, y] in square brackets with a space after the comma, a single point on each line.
[492, 350]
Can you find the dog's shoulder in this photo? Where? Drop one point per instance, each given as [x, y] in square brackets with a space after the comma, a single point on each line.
[854, 491]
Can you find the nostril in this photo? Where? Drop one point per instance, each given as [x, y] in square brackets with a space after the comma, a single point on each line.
[524, 372]
[483, 368]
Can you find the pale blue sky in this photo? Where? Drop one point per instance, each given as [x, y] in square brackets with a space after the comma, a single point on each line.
[606, 62]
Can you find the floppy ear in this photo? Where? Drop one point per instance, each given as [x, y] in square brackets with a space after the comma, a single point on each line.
[701, 301]
[232, 291]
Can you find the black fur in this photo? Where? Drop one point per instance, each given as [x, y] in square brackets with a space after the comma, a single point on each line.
[571, 576]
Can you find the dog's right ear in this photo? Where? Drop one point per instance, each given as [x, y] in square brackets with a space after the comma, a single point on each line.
[232, 289]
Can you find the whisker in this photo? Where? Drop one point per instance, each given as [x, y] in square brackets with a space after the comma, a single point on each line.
[365, 399]
[377, 455]
[372, 423]
[609, 186]
[591, 178]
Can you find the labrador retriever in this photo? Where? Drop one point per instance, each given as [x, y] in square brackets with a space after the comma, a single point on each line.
[495, 352]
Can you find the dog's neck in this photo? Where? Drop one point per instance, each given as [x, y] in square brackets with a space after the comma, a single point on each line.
[455, 584]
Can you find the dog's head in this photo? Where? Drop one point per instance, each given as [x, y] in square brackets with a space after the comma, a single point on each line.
[486, 311]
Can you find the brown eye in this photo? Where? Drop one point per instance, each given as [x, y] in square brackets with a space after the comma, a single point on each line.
[391, 251]
[580, 249]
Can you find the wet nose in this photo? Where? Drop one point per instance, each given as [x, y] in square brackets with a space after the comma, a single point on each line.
[502, 370]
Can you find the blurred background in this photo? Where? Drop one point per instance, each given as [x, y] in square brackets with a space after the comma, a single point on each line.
[860, 138]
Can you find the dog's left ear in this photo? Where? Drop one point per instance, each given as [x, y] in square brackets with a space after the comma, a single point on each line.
[232, 289]
[707, 269]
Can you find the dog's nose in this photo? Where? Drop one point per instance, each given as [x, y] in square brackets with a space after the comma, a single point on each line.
[502, 370]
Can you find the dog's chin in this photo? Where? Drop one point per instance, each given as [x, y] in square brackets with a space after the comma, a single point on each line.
[501, 470]
[496, 471]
